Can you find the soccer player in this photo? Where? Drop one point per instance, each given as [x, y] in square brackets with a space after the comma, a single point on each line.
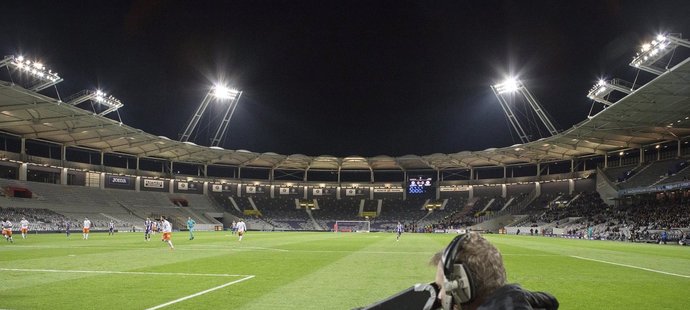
[86, 228]
[234, 227]
[335, 227]
[154, 227]
[24, 227]
[399, 229]
[241, 228]
[190, 226]
[111, 228]
[148, 228]
[166, 229]
[68, 224]
[7, 230]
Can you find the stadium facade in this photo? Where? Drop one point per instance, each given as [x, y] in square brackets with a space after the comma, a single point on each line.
[51, 141]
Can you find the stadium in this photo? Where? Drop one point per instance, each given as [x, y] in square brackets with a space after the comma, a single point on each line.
[596, 214]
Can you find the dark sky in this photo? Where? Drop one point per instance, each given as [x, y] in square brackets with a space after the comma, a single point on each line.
[338, 77]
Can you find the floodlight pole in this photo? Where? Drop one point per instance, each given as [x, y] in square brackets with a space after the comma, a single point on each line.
[196, 117]
[518, 87]
[226, 120]
[538, 109]
[511, 116]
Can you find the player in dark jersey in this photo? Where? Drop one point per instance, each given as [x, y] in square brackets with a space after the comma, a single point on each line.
[111, 228]
[148, 228]
[68, 225]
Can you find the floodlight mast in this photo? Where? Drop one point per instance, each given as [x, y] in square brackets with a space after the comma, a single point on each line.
[218, 92]
[511, 86]
[218, 137]
[499, 90]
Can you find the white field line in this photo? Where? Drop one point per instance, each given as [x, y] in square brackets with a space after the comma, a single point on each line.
[631, 266]
[200, 293]
[240, 248]
[128, 272]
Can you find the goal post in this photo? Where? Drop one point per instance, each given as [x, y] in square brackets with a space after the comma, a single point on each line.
[352, 226]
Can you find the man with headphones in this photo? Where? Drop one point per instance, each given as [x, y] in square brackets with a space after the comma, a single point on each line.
[470, 275]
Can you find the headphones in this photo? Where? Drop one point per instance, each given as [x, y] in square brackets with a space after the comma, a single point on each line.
[459, 284]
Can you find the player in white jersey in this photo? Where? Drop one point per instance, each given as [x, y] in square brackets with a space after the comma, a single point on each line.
[7, 230]
[86, 228]
[24, 227]
[166, 229]
[241, 228]
[399, 230]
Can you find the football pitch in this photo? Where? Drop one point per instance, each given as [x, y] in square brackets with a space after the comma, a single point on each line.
[286, 270]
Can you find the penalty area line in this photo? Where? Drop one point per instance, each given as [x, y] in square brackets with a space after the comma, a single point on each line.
[200, 293]
[631, 266]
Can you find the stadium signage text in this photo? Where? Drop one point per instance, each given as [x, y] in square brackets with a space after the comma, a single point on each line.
[118, 180]
[388, 190]
[154, 183]
[654, 189]
[455, 188]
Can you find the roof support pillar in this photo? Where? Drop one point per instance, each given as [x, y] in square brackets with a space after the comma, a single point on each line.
[63, 154]
[606, 160]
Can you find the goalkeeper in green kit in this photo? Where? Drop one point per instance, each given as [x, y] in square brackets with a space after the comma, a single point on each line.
[190, 226]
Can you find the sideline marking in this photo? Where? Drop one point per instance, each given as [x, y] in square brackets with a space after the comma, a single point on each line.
[631, 266]
[200, 293]
[128, 272]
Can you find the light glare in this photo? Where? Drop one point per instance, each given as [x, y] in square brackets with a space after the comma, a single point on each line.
[223, 92]
[510, 85]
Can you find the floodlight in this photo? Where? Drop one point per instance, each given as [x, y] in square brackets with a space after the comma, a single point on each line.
[650, 53]
[223, 92]
[509, 85]
[603, 88]
[98, 96]
[41, 77]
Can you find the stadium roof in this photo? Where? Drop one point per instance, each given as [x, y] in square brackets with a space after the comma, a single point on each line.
[656, 112]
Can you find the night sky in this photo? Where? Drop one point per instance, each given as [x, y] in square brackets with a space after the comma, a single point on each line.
[338, 77]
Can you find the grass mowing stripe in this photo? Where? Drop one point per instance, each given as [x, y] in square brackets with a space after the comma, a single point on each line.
[631, 266]
[200, 293]
[126, 272]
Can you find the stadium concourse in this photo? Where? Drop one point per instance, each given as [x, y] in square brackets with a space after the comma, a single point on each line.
[620, 174]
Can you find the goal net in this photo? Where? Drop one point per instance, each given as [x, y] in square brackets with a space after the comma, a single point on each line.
[352, 226]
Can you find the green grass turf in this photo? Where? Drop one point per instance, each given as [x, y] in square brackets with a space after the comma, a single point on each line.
[319, 270]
